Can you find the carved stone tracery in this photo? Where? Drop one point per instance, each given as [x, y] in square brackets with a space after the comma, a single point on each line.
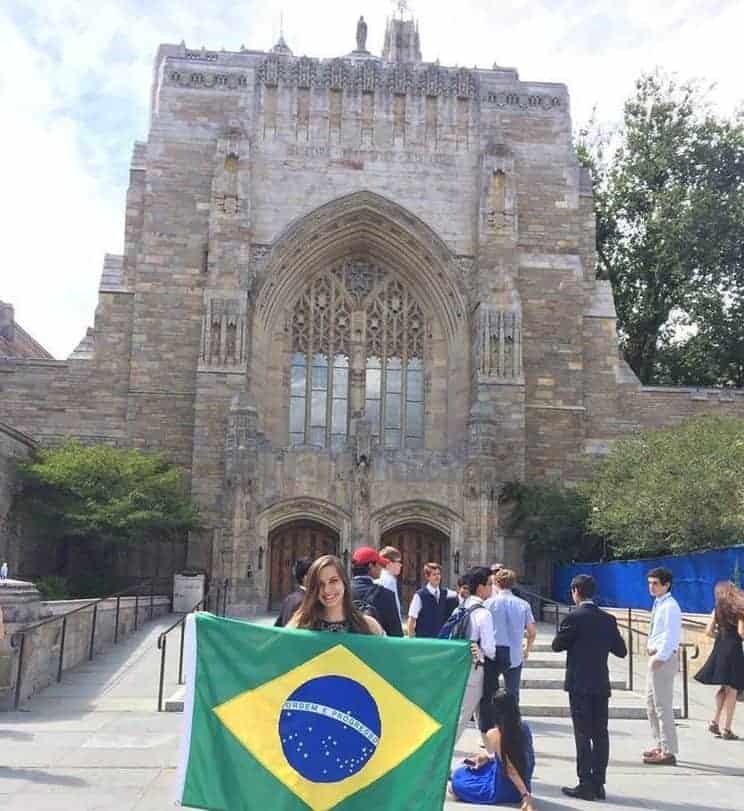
[223, 332]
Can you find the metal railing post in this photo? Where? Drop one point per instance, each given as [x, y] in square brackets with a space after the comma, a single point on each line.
[19, 677]
[685, 693]
[164, 641]
[152, 598]
[630, 650]
[116, 620]
[61, 648]
[93, 631]
[180, 654]
[136, 610]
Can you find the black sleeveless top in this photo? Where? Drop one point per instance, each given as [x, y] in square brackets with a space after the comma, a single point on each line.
[343, 627]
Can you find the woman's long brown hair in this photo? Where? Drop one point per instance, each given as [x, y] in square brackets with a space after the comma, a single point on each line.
[729, 604]
[310, 613]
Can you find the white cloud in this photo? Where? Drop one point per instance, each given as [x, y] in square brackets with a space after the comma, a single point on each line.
[76, 80]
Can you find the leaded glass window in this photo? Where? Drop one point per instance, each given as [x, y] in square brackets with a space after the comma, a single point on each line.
[392, 366]
[395, 369]
[319, 369]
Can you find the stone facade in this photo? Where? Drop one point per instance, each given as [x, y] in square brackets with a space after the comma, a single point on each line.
[14, 447]
[286, 212]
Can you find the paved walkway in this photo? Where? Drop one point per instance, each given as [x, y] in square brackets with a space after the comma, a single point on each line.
[97, 743]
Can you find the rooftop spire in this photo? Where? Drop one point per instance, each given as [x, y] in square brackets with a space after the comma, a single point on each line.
[281, 46]
[402, 42]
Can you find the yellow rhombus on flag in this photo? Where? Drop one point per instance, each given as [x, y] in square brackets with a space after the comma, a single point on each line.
[287, 719]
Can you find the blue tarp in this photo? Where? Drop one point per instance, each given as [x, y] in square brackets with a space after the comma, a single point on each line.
[622, 583]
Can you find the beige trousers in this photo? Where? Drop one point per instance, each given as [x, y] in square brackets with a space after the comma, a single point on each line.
[473, 693]
[660, 704]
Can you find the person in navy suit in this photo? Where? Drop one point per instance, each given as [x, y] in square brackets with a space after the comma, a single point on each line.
[589, 635]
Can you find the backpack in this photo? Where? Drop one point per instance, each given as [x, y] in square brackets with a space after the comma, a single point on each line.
[364, 604]
[458, 625]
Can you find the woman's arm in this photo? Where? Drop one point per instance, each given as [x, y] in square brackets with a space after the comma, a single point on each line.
[513, 775]
[710, 628]
[374, 626]
[740, 627]
[493, 744]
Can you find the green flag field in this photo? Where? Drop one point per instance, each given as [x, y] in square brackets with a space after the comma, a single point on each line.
[290, 720]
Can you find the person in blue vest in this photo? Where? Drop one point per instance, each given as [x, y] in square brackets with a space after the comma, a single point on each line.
[431, 605]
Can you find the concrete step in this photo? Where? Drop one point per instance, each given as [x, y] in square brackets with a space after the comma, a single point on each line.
[550, 679]
[546, 661]
[554, 703]
[175, 702]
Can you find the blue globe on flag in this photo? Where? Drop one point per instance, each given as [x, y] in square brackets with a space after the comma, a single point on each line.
[329, 728]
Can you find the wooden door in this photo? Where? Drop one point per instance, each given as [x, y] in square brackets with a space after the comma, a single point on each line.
[418, 545]
[301, 539]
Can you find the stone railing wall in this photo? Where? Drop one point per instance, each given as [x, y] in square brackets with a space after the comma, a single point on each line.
[41, 649]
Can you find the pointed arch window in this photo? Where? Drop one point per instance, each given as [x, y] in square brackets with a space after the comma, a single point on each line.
[392, 365]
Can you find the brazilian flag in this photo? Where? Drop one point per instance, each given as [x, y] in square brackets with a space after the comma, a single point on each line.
[284, 719]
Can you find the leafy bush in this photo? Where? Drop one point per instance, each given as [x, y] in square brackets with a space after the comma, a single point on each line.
[106, 494]
[53, 587]
[552, 518]
[672, 491]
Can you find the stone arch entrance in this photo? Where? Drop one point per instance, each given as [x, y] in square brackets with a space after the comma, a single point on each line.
[287, 543]
[418, 544]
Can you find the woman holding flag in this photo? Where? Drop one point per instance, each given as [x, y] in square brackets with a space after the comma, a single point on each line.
[327, 605]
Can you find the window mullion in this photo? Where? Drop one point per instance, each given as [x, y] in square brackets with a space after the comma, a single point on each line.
[331, 363]
[309, 370]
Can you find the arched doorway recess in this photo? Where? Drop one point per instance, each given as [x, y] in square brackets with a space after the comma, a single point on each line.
[287, 543]
[418, 544]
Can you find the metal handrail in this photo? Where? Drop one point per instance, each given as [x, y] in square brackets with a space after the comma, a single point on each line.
[203, 604]
[548, 601]
[18, 638]
[631, 630]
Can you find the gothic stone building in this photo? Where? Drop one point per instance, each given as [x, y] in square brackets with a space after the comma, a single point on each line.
[357, 295]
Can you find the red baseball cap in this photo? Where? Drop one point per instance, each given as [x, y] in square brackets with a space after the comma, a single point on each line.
[365, 555]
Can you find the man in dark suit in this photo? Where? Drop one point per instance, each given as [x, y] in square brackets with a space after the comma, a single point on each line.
[294, 599]
[589, 635]
[370, 597]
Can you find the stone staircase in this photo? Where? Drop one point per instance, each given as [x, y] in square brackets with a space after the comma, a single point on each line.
[542, 693]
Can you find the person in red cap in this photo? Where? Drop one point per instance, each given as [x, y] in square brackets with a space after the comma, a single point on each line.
[370, 597]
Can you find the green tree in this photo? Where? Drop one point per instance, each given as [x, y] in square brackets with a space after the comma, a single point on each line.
[669, 202]
[671, 491]
[552, 518]
[104, 494]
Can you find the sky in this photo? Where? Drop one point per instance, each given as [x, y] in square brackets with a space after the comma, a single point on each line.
[75, 82]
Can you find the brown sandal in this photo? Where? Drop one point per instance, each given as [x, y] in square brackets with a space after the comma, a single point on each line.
[714, 728]
[661, 759]
[728, 735]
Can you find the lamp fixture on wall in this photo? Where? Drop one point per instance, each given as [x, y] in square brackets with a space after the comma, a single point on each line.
[456, 558]
[260, 558]
[346, 559]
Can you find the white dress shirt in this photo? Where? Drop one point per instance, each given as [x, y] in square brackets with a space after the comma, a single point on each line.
[511, 615]
[389, 582]
[481, 627]
[414, 609]
[665, 630]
